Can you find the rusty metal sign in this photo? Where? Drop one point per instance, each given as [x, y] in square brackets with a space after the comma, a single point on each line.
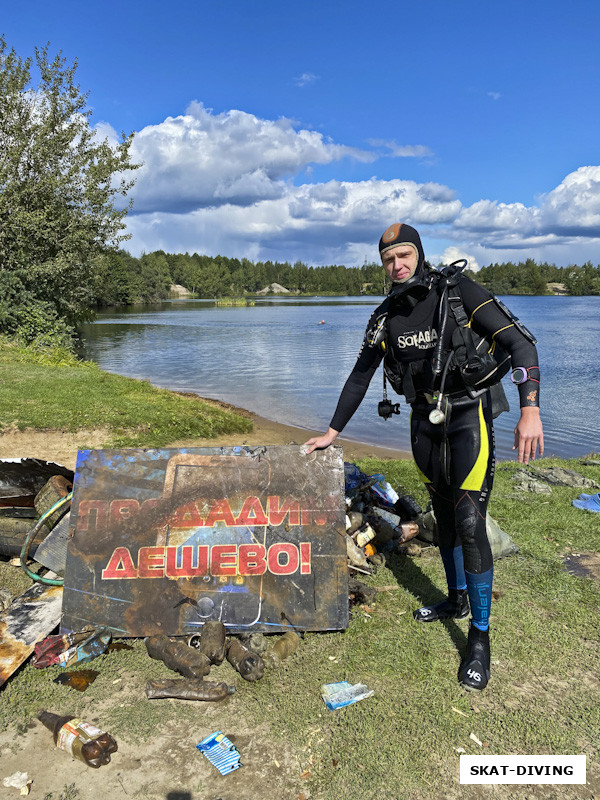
[165, 540]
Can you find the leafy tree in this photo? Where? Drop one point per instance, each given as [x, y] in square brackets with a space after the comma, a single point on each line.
[583, 280]
[58, 185]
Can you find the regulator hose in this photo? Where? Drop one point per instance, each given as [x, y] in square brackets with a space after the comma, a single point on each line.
[31, 536]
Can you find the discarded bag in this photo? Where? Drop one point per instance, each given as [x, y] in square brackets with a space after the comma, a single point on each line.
[72, 648]
[343, 693]
[500, 542]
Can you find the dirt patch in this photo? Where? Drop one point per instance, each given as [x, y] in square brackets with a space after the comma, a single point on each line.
[62, 446]
[168, 766]
[583, 565]
[58, 446]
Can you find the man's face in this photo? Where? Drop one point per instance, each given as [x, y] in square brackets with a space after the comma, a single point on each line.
[400, 262]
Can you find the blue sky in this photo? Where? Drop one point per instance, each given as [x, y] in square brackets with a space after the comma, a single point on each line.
[302, 130]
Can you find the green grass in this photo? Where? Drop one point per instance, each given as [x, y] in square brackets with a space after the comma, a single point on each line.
[50, 390]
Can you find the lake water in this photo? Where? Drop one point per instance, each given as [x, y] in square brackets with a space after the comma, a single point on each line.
[276, 360]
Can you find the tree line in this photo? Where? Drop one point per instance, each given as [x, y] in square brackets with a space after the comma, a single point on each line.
[123, 279]
[529, 277]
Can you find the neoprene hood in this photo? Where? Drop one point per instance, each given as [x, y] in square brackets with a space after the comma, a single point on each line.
[400, 233]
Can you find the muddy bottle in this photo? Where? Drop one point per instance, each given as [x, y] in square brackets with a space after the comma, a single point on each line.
[250, 665]
[282, 648]
[82, 740]
[407, 507]
[212, 641]
[188, 661]
[354, 520]
[187, 689]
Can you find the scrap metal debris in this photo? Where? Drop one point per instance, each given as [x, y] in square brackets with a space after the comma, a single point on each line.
[28, 620]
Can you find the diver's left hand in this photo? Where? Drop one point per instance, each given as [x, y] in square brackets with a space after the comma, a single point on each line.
[529, 435]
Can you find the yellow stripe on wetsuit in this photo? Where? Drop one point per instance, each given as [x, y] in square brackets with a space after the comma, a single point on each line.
[475, 478]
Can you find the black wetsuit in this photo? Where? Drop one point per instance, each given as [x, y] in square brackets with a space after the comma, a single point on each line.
[455, 458]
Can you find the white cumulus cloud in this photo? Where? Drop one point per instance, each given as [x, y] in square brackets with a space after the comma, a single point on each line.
[235, 184]
[203, 159]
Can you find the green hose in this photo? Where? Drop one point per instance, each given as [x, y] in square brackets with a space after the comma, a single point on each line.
[31, 536]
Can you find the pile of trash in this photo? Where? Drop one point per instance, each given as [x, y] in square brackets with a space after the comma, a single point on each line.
[379, 520]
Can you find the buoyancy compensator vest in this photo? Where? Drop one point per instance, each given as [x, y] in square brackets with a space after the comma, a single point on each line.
[475, 363]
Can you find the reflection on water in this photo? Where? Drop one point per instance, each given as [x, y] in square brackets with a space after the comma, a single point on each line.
[274, 358]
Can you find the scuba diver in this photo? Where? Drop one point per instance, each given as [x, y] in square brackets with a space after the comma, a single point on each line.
[446, 342]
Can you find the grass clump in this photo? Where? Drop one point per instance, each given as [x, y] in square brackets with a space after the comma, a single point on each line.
[49, 389]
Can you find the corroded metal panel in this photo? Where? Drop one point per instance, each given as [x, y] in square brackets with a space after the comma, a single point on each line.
[165, 540]
[30, 618]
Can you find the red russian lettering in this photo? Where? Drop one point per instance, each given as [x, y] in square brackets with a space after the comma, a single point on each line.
[151, 562]
[88, 510]
[220, 511]
[305, 566]
[277, 513]
[123, 509]
[182, 564]
[120, 565]
[251, 559]
[187, 516]
[323, 512]
[223, 559]
[292, 559]
[252, 513]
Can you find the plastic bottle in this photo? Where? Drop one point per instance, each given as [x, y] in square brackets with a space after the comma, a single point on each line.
[282, 648]
[364, 535]
[82, 740]
[188, 661]
[187, 689]
[250, 665]
[354, 520]
[407, 507]
[212, 641]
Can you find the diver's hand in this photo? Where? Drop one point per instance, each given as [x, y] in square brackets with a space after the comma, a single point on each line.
[529, 436]
[321, 442]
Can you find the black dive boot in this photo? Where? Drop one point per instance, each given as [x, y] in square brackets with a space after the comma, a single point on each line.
[474, 672]
[456, 606]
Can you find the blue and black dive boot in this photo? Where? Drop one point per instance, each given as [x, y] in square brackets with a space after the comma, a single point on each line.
[474, 672]
[456, 606]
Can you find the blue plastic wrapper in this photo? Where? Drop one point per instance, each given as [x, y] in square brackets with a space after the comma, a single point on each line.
[353, 477]
[221, 752]
[338, 695]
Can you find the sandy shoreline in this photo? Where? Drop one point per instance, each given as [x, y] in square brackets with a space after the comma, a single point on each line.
[62, 446]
